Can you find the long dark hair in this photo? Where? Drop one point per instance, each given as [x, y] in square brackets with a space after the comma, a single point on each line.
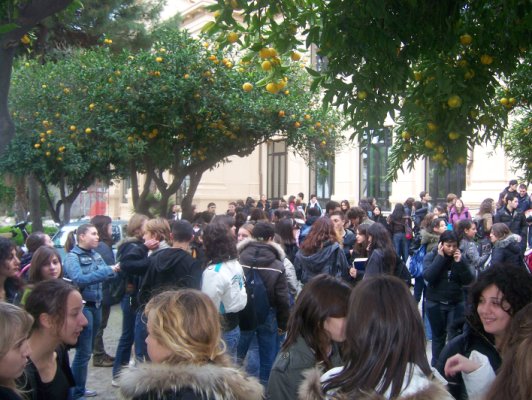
[322, 297]
[285, 229]
[219, 242]
[398, 213]
[361, 249]
[460, 228]
[385, 339]
[101, 222]
[380, 239]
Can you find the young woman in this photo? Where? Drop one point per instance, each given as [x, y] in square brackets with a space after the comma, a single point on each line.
[45, 264]
[466, 231]
[33, 242]
[513, 378]
[133, 257]
[496, 297]
[15, 325]
[382, 256]
[315, 329]
[506, 245]
[87, 269]
[10, 284]
[57, 310]
[223, 281]
[188, 357]
[345, 206]
[385, 354]
[458, 212]
[378, 217]
[485, 213]
[321, 253]
[245, 231]
[285, 228]
[398, 223]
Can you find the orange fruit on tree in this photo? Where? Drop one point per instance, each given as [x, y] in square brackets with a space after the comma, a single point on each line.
[466, 39]
[232, 37]
[454, 101]
[247, 87]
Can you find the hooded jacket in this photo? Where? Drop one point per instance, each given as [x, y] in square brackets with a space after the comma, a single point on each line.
[330, 259]
[169, 268]
[508, 251]
[515, 221]
[267, 258]
[188, 382]
[430, 239]
[417, 386]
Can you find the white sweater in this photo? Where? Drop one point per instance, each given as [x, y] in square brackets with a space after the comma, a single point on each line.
[224, 284]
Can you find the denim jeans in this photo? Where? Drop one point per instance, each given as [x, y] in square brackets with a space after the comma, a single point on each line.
[442, 318]
[401, 245]
[141, 333]
[231, 339]
[123, 350]
[99, 348]
[84, 349]
[267, 339]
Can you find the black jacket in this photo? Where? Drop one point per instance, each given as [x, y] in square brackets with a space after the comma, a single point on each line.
[268, 258]
[471, 339]
[330, 259]
[168, 269]
[507, 251]
[445, 277]
[515, 221]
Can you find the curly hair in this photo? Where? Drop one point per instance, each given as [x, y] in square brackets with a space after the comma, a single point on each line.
[321, 233]
[486, 207]
[219, 242]
[514, 283]
[6, 249]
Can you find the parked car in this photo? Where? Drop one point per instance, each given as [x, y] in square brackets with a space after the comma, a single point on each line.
[59, 239]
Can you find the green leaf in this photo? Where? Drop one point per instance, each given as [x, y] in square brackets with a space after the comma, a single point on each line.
[8, 28]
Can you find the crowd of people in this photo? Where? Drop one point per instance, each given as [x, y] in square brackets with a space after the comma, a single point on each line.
[279, 300]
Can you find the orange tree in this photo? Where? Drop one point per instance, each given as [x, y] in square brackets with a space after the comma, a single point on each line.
[437, 68]
[171, 112]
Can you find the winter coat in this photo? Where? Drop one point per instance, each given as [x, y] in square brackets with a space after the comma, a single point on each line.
[87, 269]
[376, 265]
[267, 258]
[330, 259]
[287, 372]
[455, 216]
[169, 268]
[472, 339]
[294, 286]
[348, 241]
[470, 254]
[133, 258]
[524, 203]
[13, 290]
[445, 278]
[187, 382]
[417, 386]
[224, 284]
[419, 214]
[430, 239]
[507, 250]
[515, 221]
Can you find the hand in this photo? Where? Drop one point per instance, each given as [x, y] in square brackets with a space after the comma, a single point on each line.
[440, 249]
[151, 244]
[353, 272]
[116, 267]
[457, 255]
[459, 363]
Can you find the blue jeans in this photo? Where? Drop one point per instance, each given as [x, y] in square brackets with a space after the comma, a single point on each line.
[84, 349]
[267, 339]
[401, 245]
[231, 339]
[442, 318]
[123, 350]
[141, 333]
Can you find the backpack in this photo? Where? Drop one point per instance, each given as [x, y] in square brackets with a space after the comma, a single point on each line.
[415, 264]
[258, 303]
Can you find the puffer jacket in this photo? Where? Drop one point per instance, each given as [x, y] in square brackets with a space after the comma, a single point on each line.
[430, 239]
[267, 258]
[508, 251]
[330, 259]
[87, 270]
[224, 284]
[416, 386]
[188, 381]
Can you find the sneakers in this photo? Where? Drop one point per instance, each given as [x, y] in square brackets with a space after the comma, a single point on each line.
[114, 383]
[103, 361]
[90, 393]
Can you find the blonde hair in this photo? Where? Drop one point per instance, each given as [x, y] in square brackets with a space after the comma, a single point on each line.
[187, 323]
[159, 227]
[15, 325]
[134, 226]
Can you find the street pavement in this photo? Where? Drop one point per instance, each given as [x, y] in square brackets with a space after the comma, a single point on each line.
[99, 379]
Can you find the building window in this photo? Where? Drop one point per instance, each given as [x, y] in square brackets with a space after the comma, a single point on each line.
[322, 179]
[440, 183]
[373, 166]
[276, 169]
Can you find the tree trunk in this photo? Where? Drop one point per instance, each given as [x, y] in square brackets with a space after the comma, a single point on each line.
[186, 203]
[35, 203]
[7, 127]
[67, 206]
[21, 200]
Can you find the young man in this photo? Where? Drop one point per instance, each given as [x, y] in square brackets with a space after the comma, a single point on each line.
[425, 200]
[524, 199]
[514, 219]
[446, 275]
[211, 208]
[313, 203]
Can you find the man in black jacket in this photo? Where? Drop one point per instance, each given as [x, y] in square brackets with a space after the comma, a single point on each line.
[446, 275]
[514, 219]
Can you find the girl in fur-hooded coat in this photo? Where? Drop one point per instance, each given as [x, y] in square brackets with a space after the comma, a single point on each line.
[385, 354]
[187, 353]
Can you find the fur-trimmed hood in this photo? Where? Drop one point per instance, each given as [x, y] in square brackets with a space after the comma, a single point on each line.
[212, 381]
[269, 250]
[419, 388]
[508, 241]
